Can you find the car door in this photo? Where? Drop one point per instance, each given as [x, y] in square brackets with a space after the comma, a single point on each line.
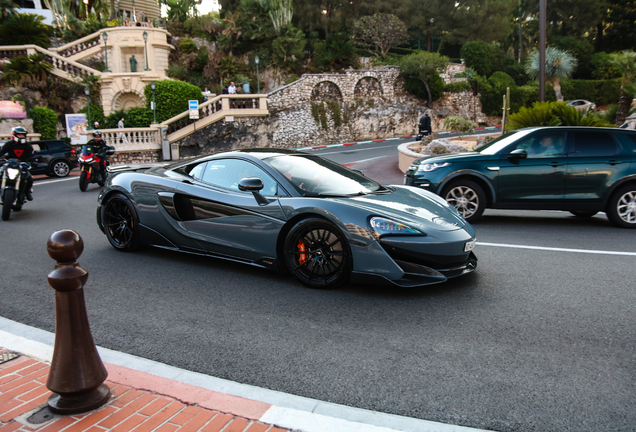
[536, 180]
[596, 160]
[40, 158]
[227, 221]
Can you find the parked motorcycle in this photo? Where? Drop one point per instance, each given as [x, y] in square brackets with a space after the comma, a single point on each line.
[11, 196]
[91, 170]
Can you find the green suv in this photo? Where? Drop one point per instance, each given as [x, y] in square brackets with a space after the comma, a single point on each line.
[582, 170]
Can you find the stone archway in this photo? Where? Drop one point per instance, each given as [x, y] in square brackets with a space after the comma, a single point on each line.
[127, 100]
[326, 90]
[367, 87]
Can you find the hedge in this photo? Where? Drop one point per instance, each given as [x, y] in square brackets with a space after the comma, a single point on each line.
[172, 98]
[458, 87]
[44, 122]
[601, 92]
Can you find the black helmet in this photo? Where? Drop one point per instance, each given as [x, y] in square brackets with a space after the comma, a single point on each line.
[97, 135]
[19, 134]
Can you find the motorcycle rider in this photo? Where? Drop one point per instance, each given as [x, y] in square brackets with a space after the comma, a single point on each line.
[99, 147]
[18, 148]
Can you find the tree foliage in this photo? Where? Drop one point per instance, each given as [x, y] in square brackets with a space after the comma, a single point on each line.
[379, 32]
[554, 114]
[481, 56]
[626, 62]
[423, 66]
[288, 49]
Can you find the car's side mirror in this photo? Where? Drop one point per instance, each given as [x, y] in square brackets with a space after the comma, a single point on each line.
[254, 185]
[250, 184]
[518, 154]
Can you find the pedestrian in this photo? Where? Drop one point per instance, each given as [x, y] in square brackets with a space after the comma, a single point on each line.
[232, 88]
[225, 90]
[206, 93]
[425, 124]
[96, 125]
[120, 125]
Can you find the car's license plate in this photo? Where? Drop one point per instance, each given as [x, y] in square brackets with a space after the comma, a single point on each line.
[470, 246]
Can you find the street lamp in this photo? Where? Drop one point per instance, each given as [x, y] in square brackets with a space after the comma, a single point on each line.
[87, 92]
[153, 86]
[145, 35]
[105, 36]
[258, 81]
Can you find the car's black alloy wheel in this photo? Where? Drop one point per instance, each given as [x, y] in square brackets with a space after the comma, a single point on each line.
[121, 223]
[317, 253]
[467, 197]
[621, 208]
[60, 168]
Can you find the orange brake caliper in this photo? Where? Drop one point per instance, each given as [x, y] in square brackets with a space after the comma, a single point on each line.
[302, 248]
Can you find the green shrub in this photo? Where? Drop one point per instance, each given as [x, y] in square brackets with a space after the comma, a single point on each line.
[517, 71]
[177, 72]
[172, 97]
[485, 58]
[600, 92]
[457, 87]
[187, 45]
[603, 68]
[460, 125]
[554, 114]
[97, 114]
[323, 115]
[417, 88]
[44, 122]
[138, 117]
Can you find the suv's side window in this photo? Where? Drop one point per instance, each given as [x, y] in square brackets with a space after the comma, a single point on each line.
[543, 145]
[594, 144]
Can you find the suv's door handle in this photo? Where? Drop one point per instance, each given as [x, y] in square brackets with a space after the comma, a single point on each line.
[187, 182]
[614, 162]
[556, 164]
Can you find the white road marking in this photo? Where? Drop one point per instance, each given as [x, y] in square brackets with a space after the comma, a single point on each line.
[587, 251]
[55, 181]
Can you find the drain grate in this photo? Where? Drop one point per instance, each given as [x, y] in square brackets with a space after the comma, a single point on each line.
[8, 356]
[41, 416]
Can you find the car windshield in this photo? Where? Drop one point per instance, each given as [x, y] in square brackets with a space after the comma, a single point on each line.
[498, 144]
[315, 176]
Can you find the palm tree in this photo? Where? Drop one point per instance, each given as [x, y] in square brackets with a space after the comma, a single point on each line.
[626, 62]
[558, 65]
[23, 29]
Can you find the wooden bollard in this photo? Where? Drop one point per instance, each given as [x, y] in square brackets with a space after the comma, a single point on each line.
[77, 373]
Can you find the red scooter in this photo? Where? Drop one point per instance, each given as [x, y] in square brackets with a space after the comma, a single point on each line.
[92, 167]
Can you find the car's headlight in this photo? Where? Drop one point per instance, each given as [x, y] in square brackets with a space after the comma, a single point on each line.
[432, 166]
[382, 226]
[13, 173]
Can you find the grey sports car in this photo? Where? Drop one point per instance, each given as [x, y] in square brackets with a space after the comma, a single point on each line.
[288, 211]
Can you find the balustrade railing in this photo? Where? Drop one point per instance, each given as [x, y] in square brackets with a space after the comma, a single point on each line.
[132, 138]
[78, 46]
[230, 105]
[7, 53]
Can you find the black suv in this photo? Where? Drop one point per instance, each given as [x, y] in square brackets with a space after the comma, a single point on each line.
[54, 158]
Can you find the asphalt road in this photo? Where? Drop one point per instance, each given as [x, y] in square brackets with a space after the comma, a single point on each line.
[535, 340]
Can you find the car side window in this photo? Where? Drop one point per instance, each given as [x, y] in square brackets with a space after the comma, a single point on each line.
[197, 171]
[38, 147]
[227, 173]
[544, 145]
[594, 144]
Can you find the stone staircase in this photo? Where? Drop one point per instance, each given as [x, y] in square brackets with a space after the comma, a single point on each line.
[66, 64]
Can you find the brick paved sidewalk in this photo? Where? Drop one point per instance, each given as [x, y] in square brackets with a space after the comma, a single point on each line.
[23, 390]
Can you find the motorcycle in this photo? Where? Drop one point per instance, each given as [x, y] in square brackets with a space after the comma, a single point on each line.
[91, 170]
[11, 196]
